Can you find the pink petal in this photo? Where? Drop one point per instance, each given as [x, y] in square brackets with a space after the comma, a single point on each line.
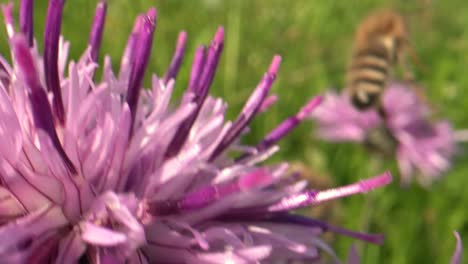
[71, 248]
[101, 236]
[10, 130]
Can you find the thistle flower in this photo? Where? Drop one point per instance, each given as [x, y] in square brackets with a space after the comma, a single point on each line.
[106, 172]
[407, 132]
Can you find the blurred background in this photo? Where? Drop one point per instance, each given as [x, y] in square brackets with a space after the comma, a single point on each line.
[314, 39]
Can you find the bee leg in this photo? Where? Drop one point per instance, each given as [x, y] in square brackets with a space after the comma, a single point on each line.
[414, 58]
[381, 111]
[408, 74]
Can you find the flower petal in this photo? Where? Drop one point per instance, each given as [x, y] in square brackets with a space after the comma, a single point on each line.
[10, 130]
[101, 236]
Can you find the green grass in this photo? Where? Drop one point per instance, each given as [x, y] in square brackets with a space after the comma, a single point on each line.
[314, 38]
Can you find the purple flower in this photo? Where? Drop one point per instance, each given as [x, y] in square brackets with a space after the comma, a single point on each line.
[107, 172]
[407, 132]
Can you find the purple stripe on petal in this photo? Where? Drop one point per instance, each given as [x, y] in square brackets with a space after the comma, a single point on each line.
[97, 29]
[140, 61]
[42, 114]
[199, 85]
[25, 62]
[211, 65]
[197, 67]
[315, 197]
[129, 53]
[250, 108]
[194, 200]
[177, 58]
[26, 20]
[255, 179]
[457, 254]
[209, 194]
[302, 220]
[51, 50]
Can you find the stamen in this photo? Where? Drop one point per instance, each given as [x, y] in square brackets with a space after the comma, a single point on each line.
[197, 68]
[129, 52]
[140, 61]
[177, 58]
[199, 86]
[209, 194]
[315, 197]
[51, 50]
[250, 108]
[97, 29]
[26, 20]
[289, 124]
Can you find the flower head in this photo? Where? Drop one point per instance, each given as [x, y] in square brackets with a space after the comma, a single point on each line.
[106, 172]
[407, 131]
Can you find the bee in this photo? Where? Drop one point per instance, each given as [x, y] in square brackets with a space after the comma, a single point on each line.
[381, 43]
[380, 141]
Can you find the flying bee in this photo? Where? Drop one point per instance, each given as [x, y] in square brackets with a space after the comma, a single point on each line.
[381, 43]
